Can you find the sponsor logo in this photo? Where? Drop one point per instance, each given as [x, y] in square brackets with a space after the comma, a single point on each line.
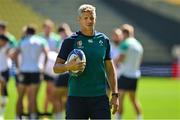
[79, 44]
[90, 40]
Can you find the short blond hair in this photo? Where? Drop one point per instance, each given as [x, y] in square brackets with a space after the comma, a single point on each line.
[129, 28]
[48, 22]
[87, 8]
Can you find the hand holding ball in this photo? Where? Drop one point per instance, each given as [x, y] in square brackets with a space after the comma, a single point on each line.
[77, 60]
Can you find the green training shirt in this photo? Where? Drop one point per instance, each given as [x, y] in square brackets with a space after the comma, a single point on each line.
[93, 81]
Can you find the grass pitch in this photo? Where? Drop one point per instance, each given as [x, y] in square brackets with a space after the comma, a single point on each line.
[159, 97]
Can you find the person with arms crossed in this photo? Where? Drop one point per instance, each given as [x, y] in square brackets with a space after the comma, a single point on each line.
[87, 96]
[131, 53]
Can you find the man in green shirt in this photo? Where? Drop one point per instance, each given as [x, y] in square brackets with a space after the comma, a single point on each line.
[3, 31]
[87, 92]
[5, 61]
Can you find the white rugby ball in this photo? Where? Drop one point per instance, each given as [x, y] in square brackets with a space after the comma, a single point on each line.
[81, 57]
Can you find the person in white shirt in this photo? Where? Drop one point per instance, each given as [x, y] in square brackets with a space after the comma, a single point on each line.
[4, 69]
[30, 48]
[130, 57]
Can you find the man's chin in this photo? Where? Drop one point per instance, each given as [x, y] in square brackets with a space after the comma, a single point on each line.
[89, 27]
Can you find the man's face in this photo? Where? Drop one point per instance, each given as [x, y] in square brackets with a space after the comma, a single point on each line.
[63, 34]
[116, 38]
[47, 29]
[87, 20]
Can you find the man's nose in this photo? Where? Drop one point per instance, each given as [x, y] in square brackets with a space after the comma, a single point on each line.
[89, 20]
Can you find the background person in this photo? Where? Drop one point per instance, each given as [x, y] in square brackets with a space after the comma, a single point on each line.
[131, 53]
[29, 76]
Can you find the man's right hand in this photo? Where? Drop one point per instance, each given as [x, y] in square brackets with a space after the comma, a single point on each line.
[75, 65]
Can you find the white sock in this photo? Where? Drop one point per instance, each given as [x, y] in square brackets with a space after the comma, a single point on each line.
[2, 109]
[3, 104]
[4, 100]
[117, 116]
[59, 116]
[139, 117]
[33, 116]
[18, 118]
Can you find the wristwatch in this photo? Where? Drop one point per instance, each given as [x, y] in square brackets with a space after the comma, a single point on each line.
[115, 94]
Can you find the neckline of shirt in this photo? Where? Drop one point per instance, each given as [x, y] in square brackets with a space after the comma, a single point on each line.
[87, 35]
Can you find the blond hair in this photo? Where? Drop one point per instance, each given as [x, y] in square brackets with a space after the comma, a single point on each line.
[49, 23]
[87, 8]
[129, 28]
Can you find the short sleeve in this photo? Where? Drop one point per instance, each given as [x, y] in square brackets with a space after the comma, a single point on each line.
[123, 47]
[13, 41]
[108, 53]
[45, 44]
[66, 48]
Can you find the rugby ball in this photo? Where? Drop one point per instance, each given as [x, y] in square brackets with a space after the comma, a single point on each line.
[81, 57]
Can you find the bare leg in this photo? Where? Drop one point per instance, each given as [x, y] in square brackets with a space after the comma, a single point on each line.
[2, 82]
[19, 105]
[49, 95]
[121, 101]
[59, 94]
[135, 102]
[32, 104]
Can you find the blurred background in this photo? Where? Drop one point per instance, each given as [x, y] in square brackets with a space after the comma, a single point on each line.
[157, 27]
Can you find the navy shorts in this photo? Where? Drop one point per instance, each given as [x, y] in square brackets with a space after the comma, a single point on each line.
[88, 107]
[62, 80]
[126, 83]
[27, 78]
[5, 75]
[48, 78]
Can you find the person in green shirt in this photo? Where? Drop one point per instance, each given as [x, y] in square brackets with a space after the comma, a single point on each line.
[11, 37]
[130, 58]
[53, 41]
[87, 96]
[11, 44]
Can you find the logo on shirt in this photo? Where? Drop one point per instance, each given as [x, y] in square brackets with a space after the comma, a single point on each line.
[90, 40]
[79, 44]
[101, 43]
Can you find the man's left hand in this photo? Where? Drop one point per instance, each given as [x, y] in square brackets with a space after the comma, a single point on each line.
[115, 104]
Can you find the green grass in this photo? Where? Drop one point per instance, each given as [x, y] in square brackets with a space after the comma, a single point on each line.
[159, 97]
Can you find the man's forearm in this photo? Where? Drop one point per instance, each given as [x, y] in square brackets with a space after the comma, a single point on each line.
[112, 77]
[60, 68]
[113, 81]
